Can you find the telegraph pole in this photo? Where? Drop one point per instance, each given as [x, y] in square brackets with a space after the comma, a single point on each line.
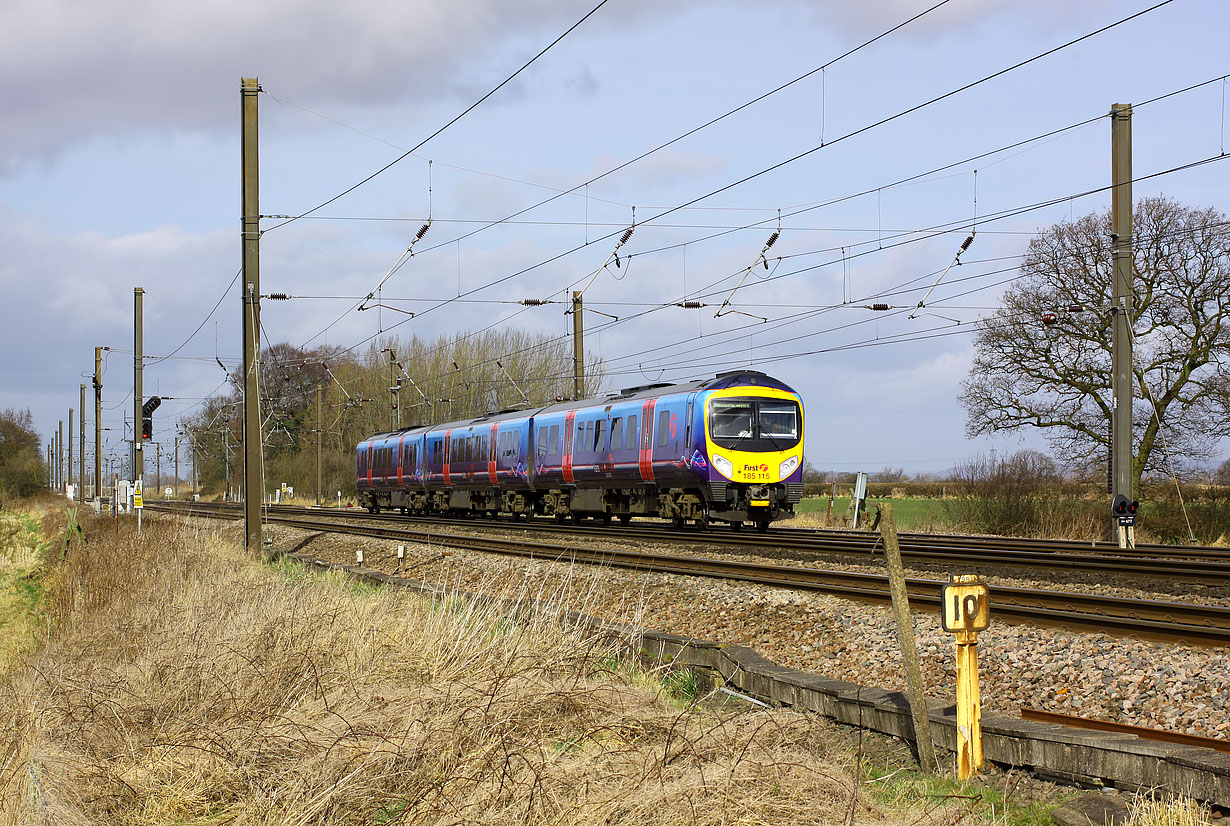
[250, 217]
[176, 465]
[81, 447]
[578, 347]
[97, 422]
[320, 426]
[1121, 307]
[60, 457]
[158, 467]
[138, 397]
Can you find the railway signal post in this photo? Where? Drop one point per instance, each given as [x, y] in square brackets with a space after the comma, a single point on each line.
[964, 611]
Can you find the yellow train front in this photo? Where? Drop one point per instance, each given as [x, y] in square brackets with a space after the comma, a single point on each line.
[753, 426]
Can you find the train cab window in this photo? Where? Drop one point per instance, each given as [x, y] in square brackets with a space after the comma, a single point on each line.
[553, 440]
[599, 432]
[617, 433]
[630, 441]
[542, 442]
[664, 425]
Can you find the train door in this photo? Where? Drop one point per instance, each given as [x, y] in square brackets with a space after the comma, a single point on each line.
[448, 445]
[569, 444]
[646, 449]
[401, 460]
[491, 452]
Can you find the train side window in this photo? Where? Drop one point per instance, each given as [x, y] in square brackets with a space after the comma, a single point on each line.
[553, 440]
[599, 432]
[664, 425]
[589, 437]
[617, 433]
[542, 442]
[469, 449]
[579, 444]
[630, 441]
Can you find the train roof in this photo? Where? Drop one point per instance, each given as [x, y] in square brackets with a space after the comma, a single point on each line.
[731, 378]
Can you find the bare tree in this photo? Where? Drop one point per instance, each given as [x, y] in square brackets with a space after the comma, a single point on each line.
[1044, 359]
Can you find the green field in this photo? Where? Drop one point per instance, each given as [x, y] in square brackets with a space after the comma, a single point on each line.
[911, 513]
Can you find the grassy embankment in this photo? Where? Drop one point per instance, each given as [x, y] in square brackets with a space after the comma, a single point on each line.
[180, 682]
[21, 590]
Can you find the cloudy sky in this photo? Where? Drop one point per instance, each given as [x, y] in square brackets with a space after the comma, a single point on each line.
[119, 167]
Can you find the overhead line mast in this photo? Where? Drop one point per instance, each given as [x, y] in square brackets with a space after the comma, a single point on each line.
[253, 485]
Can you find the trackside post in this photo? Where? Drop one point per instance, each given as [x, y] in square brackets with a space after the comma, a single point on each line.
[905, 638]
[964, 611]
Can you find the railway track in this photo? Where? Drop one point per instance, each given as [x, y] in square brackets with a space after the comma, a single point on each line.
[1194, 624]
[1206, 565]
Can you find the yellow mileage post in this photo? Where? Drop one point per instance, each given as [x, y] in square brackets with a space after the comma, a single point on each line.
[964, 611]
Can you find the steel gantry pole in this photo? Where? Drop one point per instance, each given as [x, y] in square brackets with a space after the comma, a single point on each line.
[578, 347]
[250, 217]
[68, 473]
[1123, 471]
[97, 422]
[81, 448]
[320, 427]
[138, 398]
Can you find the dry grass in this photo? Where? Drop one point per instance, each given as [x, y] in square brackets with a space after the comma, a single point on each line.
[183, 683]
[1167, 810]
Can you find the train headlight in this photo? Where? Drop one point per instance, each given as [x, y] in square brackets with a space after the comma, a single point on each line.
[723, 466]
[787, 467]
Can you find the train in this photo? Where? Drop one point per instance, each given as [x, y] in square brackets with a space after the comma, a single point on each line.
[723, 450]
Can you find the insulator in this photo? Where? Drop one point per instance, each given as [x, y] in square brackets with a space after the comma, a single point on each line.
[1076, 308]
[766, 263]
[1049, 318]
[881, 307]
[422, 231]
[691, 305]
[279, 297]
[627, 234]
[772, 239]
[968, 241]
[616, 260]
[535, 302]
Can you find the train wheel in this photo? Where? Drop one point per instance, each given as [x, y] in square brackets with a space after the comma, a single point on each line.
[736, 526]
[625, 518]
[559, 517]
[606, 518]
[678, 522]
[702, 524]
[762, 525]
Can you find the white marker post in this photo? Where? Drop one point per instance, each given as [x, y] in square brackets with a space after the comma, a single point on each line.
[964, 611]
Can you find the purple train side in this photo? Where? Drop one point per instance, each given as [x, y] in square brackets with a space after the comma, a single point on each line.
[724, 449]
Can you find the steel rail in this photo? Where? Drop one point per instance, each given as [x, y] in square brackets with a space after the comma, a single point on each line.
[1194, 624]
[1195, 740]
[969, 550]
